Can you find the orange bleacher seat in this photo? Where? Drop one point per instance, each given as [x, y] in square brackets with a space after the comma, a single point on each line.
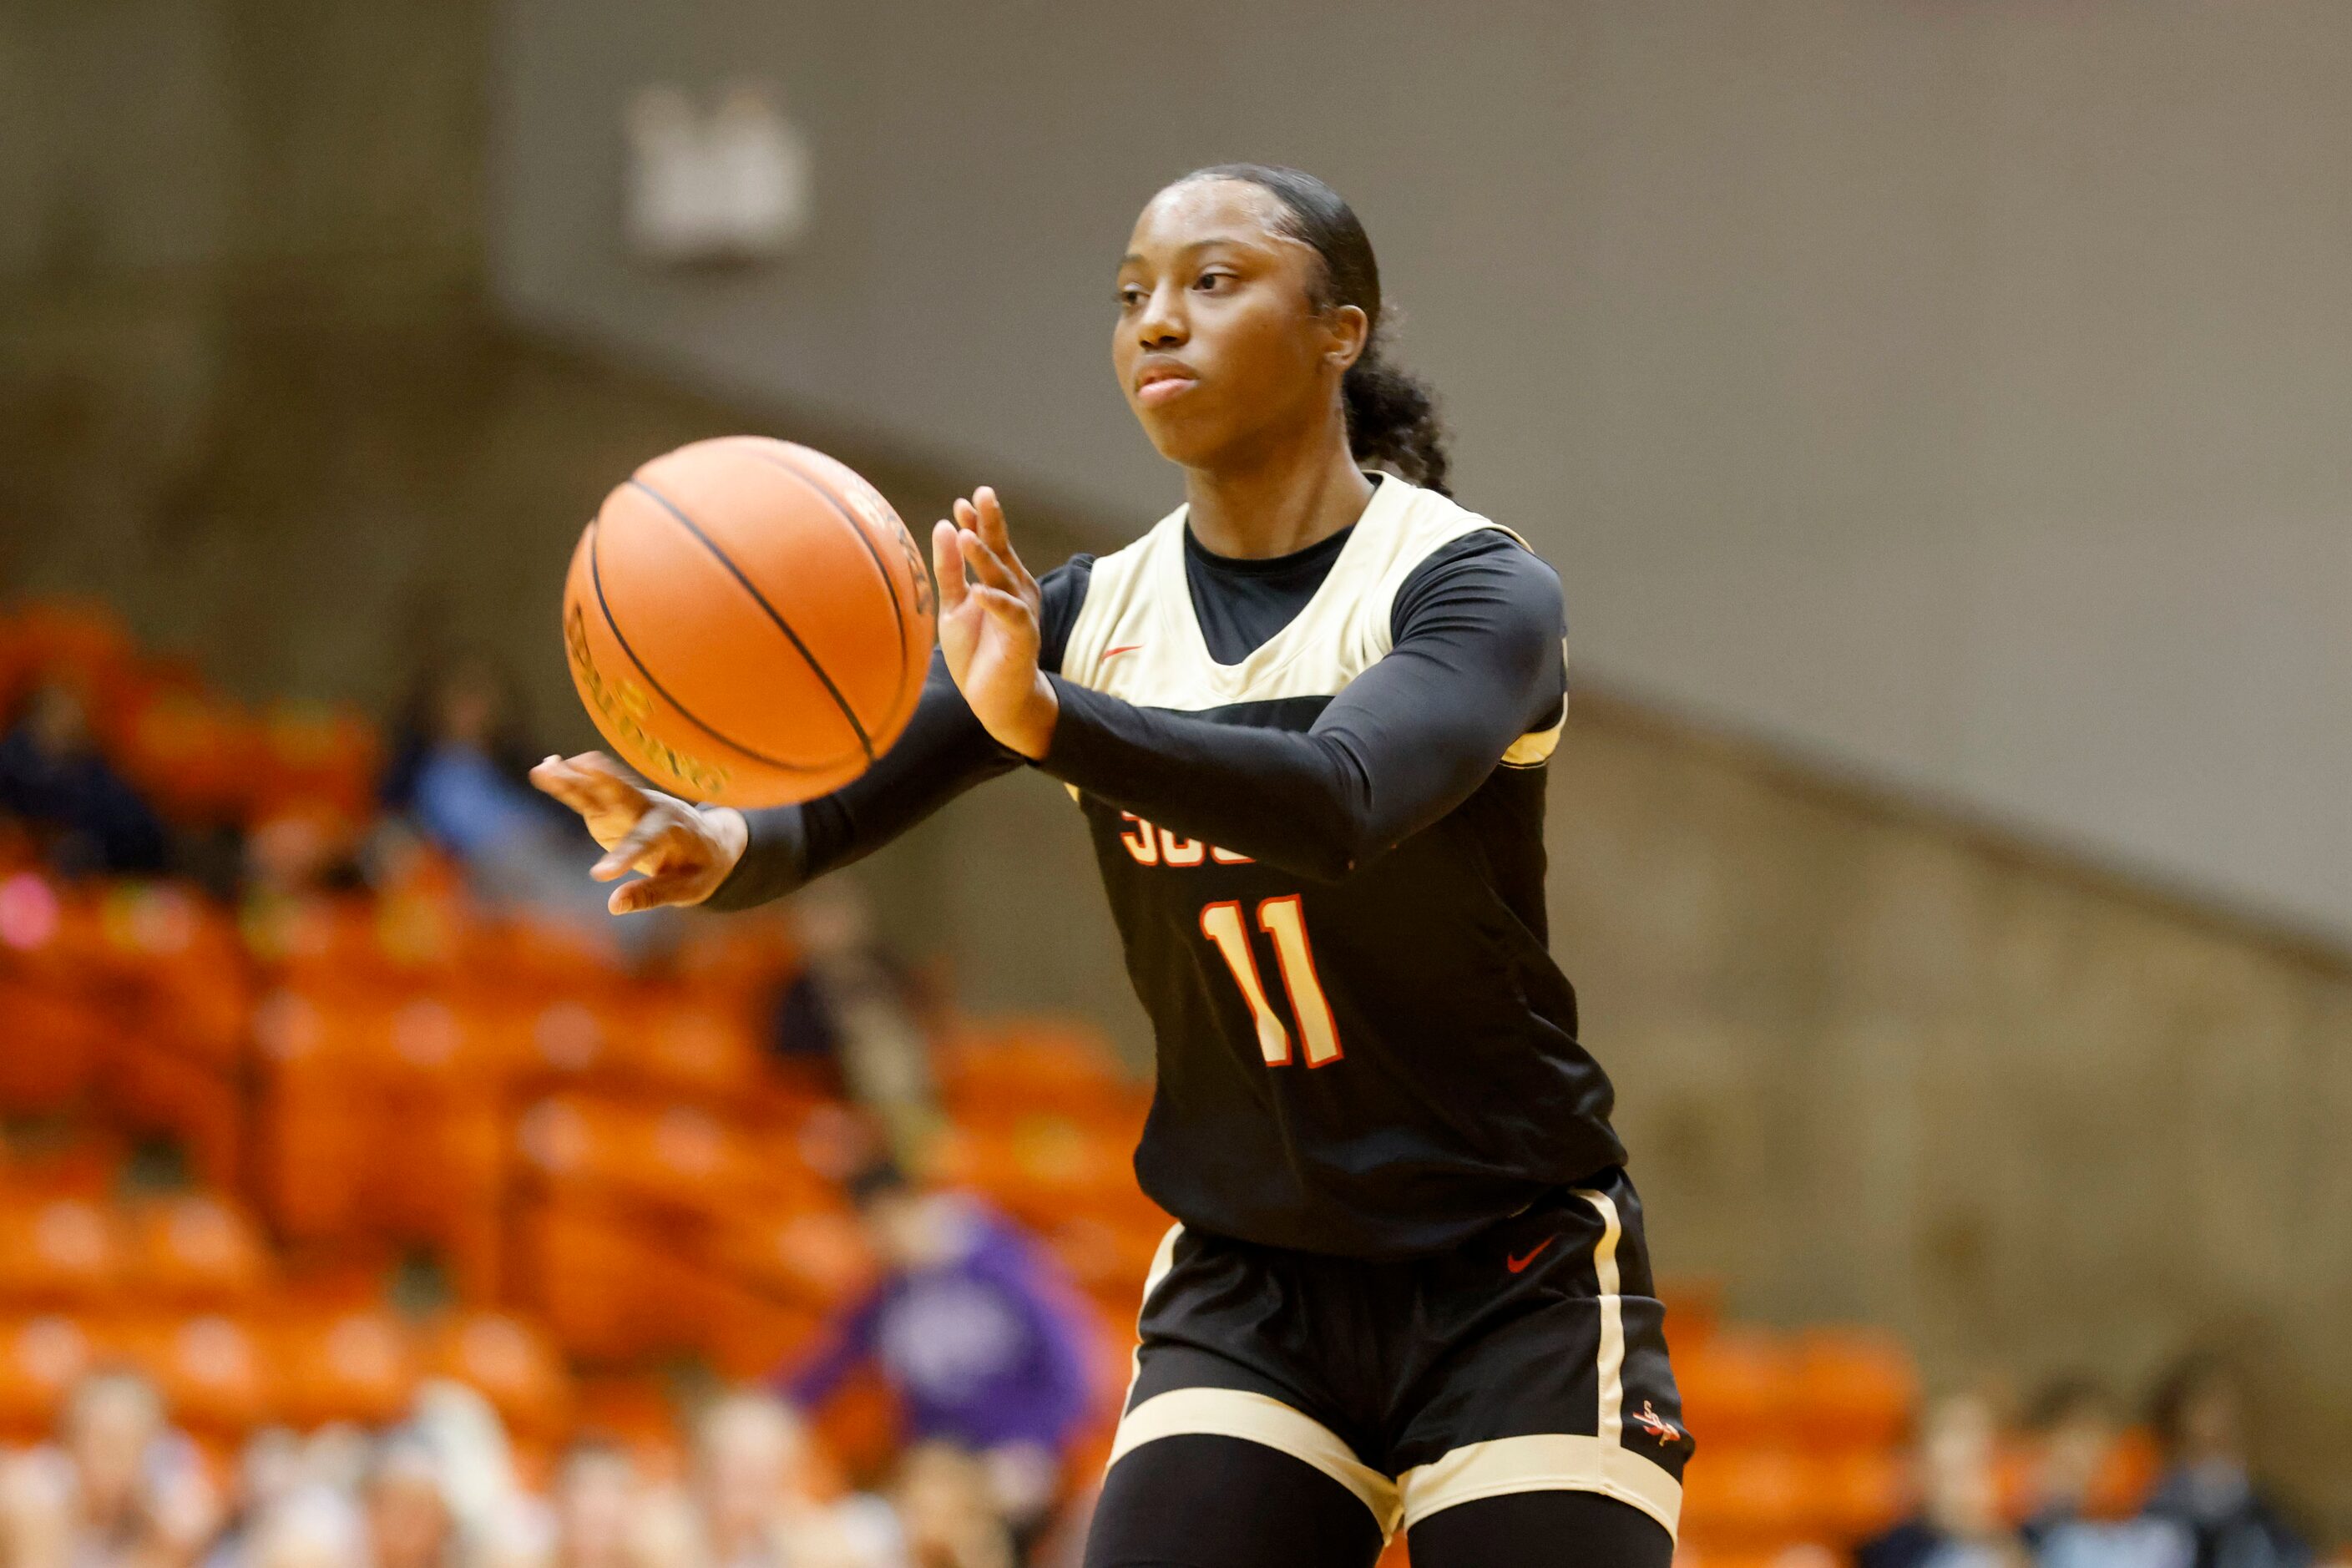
[859, 1430]
[1108, 1260]
[676, 1156]
[639, 1039]
[613, 1290]
[56, 1040]
[148, 1088]
[1749, 1497]
[214, 1372]
[196, 1252]
[59, 1252]
[1014, 1067]
[1046, 1167]
[40, 1360]
[1738, 1386]
[1858, 1492]
[2122, 1486]
[636, 1411]
[685, 1047]
[309, 753]
[190, 753]
[541, 958]
[1853, 1387]
[1694, 1311]
[348, 1366]
[513, 1365]
[584, 1271]
[79, 641]
[744, 960]
[177, 962]
[381, 1115]
[337, 944]
[812, 1254]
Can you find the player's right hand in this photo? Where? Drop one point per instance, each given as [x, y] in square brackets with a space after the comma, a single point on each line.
[683, 852]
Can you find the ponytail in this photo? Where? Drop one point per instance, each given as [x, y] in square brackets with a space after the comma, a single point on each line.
[1393, 421]
[1391, 415]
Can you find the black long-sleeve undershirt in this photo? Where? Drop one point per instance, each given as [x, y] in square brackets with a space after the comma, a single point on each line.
[1475, 662]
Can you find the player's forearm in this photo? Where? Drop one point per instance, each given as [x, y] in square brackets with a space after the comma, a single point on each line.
[1298, 802]
[1406, 743]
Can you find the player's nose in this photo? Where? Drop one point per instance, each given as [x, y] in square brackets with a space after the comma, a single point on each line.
[1161, 324]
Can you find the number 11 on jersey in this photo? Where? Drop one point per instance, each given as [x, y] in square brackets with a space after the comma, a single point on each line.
[1280, 919]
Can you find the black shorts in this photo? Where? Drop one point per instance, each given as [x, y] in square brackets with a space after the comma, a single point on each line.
[1532, 1358]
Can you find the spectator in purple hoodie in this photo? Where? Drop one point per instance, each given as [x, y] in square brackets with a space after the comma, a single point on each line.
[973, 1328]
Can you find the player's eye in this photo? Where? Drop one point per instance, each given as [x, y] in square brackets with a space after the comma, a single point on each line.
[1209, 282]
[1130, 297]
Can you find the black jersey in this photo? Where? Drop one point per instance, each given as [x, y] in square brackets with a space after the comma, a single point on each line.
[1315, 787]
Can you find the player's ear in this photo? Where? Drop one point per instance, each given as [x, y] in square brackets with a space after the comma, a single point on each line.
[1349, 329]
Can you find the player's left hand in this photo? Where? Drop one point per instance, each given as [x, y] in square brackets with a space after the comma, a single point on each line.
[989, 625]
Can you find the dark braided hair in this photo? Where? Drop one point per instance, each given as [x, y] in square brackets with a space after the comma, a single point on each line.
[1391, 415]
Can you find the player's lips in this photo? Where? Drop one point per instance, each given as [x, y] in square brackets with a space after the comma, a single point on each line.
[1156, 383]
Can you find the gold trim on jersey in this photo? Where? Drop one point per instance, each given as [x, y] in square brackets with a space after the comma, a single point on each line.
[1138, 639]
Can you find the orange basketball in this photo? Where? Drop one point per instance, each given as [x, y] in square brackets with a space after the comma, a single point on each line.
[748, 622]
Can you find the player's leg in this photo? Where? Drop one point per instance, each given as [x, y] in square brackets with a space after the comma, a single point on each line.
[1201, 1500]
[1541, 1529]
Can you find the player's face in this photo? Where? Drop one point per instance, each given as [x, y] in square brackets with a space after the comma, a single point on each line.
[1219, 345]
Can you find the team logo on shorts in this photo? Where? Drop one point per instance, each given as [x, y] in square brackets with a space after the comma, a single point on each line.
[1658, 1426]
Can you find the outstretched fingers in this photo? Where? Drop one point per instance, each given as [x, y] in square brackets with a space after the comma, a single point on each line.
[989, 567]
[630, 847]
[947, 564]
[586, 783]
[653, 893]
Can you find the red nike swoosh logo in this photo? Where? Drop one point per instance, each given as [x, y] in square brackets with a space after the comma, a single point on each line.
[1516, 1264]
[1111, 652]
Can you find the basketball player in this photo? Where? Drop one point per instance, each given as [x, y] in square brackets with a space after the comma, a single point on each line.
[1307, 718]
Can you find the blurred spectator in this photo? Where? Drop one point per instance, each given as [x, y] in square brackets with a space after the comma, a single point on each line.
[755, 1483]
[409, 1521]
[595, 1500]
[120, 1490]
[854, 1006]
[1958, 1524]
[311, 1527]
[948, 1510]
[86, 815]
[269, 1471]
[459, 774]
[2208, 1489]
[665, 1531]
[976, 1332]
[2071, 1427]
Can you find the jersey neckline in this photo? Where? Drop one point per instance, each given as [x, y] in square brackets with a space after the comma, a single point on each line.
[1175, 594]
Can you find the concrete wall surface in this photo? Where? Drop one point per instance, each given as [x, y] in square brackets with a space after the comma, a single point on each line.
[1953, 393]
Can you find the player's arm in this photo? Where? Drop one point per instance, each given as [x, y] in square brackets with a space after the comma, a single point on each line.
[724, 858]
[1475, 663]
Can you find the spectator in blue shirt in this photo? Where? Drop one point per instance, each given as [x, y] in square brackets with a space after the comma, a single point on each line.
[973, 1328]
[461, 776]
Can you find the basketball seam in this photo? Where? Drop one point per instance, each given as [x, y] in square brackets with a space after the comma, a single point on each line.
[890, 589]
[760, 599]
[596, 579]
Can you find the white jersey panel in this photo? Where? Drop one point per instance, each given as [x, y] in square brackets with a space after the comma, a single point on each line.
[1137, 640]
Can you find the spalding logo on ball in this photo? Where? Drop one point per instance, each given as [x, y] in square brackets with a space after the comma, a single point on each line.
[748, 622]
